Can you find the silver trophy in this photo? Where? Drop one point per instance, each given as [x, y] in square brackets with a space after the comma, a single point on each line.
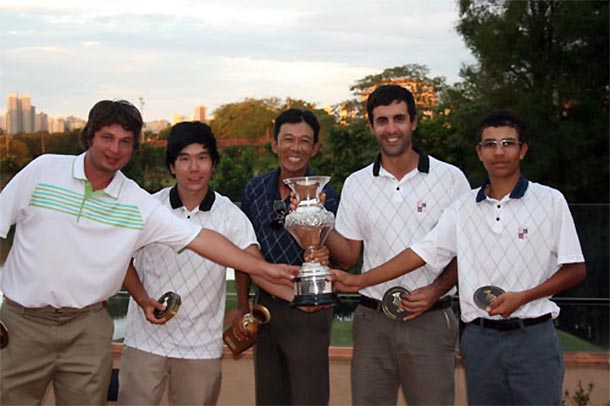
[310, 225]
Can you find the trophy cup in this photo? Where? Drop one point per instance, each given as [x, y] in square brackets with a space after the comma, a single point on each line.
[310, 225]
[251, 323]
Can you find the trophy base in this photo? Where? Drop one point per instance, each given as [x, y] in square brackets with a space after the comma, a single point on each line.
[313, 300]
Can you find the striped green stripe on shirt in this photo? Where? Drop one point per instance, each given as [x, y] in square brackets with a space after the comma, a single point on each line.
[76, 204]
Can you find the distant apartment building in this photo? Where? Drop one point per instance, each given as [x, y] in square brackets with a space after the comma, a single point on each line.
[57, 125]
[178, 118]
[74, 123]
[200, 113]
[20, 114]
[41, 122]
[156, 126]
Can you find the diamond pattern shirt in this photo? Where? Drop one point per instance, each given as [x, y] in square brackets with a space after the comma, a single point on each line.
[195, 332]
[389, 214]
[515, 243]
[278, 246]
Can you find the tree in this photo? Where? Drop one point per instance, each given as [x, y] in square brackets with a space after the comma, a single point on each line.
[250, 119]
[548, 61]
[414, 77]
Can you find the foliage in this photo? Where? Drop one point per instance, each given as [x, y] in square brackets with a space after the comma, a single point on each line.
[547, 61]
[250, 119]
[349, 148]
[580, 397]
[411, 71]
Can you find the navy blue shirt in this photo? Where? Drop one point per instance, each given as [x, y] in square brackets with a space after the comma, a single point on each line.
[277, 246]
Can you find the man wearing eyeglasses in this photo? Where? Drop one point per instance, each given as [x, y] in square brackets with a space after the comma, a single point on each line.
[516, 246]
[291, 353]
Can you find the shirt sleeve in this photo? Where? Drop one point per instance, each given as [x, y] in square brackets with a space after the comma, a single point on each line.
[567, 242]
[346, 222]
[163, 227]
[439, 246]
[16, 195]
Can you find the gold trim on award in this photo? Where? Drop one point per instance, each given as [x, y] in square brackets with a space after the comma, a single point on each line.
[171, 301]
[251, 323]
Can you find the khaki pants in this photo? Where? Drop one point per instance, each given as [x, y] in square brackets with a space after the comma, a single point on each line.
[69, 347]
[144, 376]
[417, 355]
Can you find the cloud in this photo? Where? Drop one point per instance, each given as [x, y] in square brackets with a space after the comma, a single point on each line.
[66, 53]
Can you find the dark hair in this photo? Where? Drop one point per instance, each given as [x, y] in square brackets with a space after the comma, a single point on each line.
[183, 134]
[108, 112]
[385, 95]
[501, 118]
[295, 116]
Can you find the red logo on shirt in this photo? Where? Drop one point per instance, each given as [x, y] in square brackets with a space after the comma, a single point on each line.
[522, 233]
[421, 207]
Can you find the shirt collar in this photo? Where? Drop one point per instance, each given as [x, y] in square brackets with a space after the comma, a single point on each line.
[517, 193]
[205, 205]
[422, 166]
[114, 187]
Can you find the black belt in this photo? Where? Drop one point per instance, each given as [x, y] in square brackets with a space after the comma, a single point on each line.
[510, 324]
[375, 304]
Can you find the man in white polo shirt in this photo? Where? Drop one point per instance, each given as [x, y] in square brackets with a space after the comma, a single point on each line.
[384, 208]
[78, 222]
[513, 236]
[184, 354]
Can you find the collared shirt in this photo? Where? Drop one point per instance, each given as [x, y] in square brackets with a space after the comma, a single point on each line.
[515, 243]
[195, 332]
[389, 214]
[278, 246]
[72, 245]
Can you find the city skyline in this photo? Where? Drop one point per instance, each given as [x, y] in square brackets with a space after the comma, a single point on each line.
[67, 54]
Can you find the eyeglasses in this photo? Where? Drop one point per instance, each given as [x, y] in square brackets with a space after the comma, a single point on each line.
[506, 143]
[279, 207]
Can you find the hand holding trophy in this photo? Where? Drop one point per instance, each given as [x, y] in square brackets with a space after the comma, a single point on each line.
[310, 223]
[251, 323]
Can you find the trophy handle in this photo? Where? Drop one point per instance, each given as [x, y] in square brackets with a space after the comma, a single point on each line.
[261, 314]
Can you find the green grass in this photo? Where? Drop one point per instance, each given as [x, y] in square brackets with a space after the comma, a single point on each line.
[572, 343]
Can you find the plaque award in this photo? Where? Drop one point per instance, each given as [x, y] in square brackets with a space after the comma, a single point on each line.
[310, 225]
[390, 304]
[172, 302]
[251, 323]
[484, 295]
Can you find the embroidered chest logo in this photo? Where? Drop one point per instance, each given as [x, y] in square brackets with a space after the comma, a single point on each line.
[522, 233]
[421, 207]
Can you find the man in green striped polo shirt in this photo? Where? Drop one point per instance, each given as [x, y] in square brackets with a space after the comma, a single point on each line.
[78, 221]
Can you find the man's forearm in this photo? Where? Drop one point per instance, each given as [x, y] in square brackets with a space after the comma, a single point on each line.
[447, 279]
[403, 263]
[344, 252]
[133, 285]
[218, 248]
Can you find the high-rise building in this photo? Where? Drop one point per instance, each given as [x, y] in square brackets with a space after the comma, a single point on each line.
[200, 112]
[41, 122]
[20, 114]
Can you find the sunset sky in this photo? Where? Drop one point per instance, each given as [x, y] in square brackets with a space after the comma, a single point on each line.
[66, 55]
